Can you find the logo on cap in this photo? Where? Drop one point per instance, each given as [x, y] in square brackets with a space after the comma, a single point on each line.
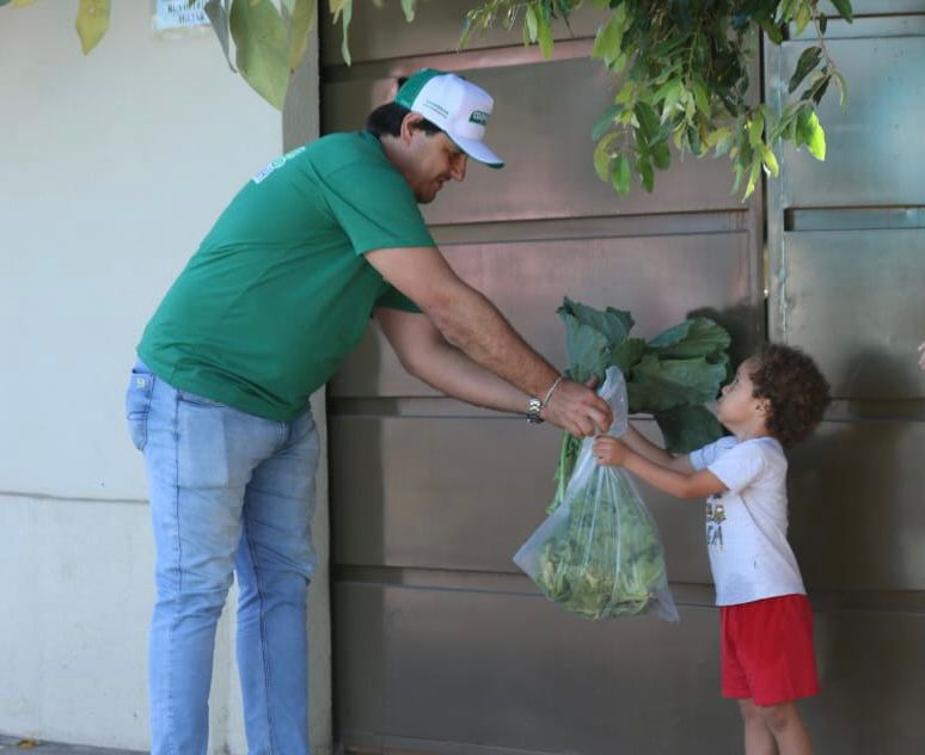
[479, 116]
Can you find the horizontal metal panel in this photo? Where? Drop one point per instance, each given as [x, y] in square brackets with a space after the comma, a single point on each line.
[856, 495]
[547, 145]
[853, 299]
[875, 151]
[660, 279]
[873, 7]
[510, 672]
[383, 33]
[465, 494]
[518, 672]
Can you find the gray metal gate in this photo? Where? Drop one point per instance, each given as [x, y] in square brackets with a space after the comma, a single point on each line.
[441, 645]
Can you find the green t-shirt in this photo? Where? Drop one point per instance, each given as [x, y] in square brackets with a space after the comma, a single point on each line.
[279, 292]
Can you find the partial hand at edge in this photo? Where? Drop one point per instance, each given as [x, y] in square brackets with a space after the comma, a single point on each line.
[578, 409]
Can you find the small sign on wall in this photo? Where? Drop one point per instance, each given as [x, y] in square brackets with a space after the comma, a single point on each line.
[179, 14]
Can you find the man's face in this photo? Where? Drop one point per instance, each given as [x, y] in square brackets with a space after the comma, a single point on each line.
[432, 161]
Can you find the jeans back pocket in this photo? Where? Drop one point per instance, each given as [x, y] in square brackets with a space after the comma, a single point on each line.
[138, 404]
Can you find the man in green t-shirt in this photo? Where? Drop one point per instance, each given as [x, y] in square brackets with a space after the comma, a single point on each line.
[279, 292]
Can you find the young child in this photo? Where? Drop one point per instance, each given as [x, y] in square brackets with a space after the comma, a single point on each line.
[768, 662]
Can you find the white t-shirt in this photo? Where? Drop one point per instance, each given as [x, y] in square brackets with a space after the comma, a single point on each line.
[747, 525]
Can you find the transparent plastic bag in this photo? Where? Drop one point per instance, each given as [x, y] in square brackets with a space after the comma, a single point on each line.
[600, 553]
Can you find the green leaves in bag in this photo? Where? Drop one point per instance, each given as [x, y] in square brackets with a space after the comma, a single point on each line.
[670, 377]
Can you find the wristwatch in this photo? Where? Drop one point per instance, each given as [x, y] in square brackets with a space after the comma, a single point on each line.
[536, 405]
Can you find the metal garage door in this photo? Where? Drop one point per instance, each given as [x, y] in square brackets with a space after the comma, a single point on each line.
[441, 645]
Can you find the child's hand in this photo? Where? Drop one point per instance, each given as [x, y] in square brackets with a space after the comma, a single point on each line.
[610, 451]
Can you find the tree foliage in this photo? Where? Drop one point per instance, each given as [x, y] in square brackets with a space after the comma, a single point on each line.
[681, 71]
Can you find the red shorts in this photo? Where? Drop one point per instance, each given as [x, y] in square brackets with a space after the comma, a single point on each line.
[767, 650]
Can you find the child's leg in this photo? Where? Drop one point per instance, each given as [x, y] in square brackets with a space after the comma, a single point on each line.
[787, 728]
[758, 737]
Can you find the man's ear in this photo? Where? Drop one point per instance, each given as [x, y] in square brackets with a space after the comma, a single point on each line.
[408, 124]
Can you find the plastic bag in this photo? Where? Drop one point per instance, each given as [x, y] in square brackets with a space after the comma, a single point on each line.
[600, 554]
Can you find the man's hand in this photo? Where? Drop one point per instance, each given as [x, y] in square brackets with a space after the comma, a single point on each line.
[610, 451]
[922, 355]
[578, 409]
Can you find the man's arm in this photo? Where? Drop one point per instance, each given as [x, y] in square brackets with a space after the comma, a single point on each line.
[472, 323]
[645, 448]
[679, 484]
[426, 354]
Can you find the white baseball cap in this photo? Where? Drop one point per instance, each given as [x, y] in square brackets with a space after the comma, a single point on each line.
[456, 106]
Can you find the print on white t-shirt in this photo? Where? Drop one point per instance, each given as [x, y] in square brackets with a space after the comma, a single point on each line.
[746, 526]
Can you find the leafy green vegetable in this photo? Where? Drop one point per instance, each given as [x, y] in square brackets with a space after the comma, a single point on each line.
[670, 377]
[608, 560]
[600, 554]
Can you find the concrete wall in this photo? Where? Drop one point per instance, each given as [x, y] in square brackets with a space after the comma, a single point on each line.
[112, 168]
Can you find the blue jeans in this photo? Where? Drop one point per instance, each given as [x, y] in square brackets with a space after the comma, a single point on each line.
[230, 493]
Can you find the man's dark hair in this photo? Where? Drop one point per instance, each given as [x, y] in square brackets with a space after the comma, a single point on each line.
[387, 119]
[796, 390]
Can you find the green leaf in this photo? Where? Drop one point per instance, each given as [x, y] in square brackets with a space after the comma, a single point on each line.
[615, 324]
[408, 7]
[774, 32]
[695, 337]
[816, 142]
[621, 175]
[303, 16]
[217, 14]
[605, 121]
[844, 9]
[646, 174]
[345, 18]
[262, 47]
[627, 354]
[661, 384]
[602, 156]
[817, 87]
[756, 128]
[753, 175]
[92, 23]
[701, 98]
[530, 22]
[803, 16]
[842, 88]
[687, 428]
[544, 36]
[806, 63]
[587, 348]
[661, 155]
[609, 39]
[769, 160]
[721, 139]
[648, 121]
[804, 131]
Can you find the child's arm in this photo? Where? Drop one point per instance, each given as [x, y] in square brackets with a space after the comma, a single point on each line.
[677, 483]
[645, 448]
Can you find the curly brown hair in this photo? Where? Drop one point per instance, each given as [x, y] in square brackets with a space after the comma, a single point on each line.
[796, 390]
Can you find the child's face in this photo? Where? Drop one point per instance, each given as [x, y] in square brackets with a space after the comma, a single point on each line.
[737, 404]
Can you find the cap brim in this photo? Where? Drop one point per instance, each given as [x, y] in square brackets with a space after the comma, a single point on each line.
[478, 151]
